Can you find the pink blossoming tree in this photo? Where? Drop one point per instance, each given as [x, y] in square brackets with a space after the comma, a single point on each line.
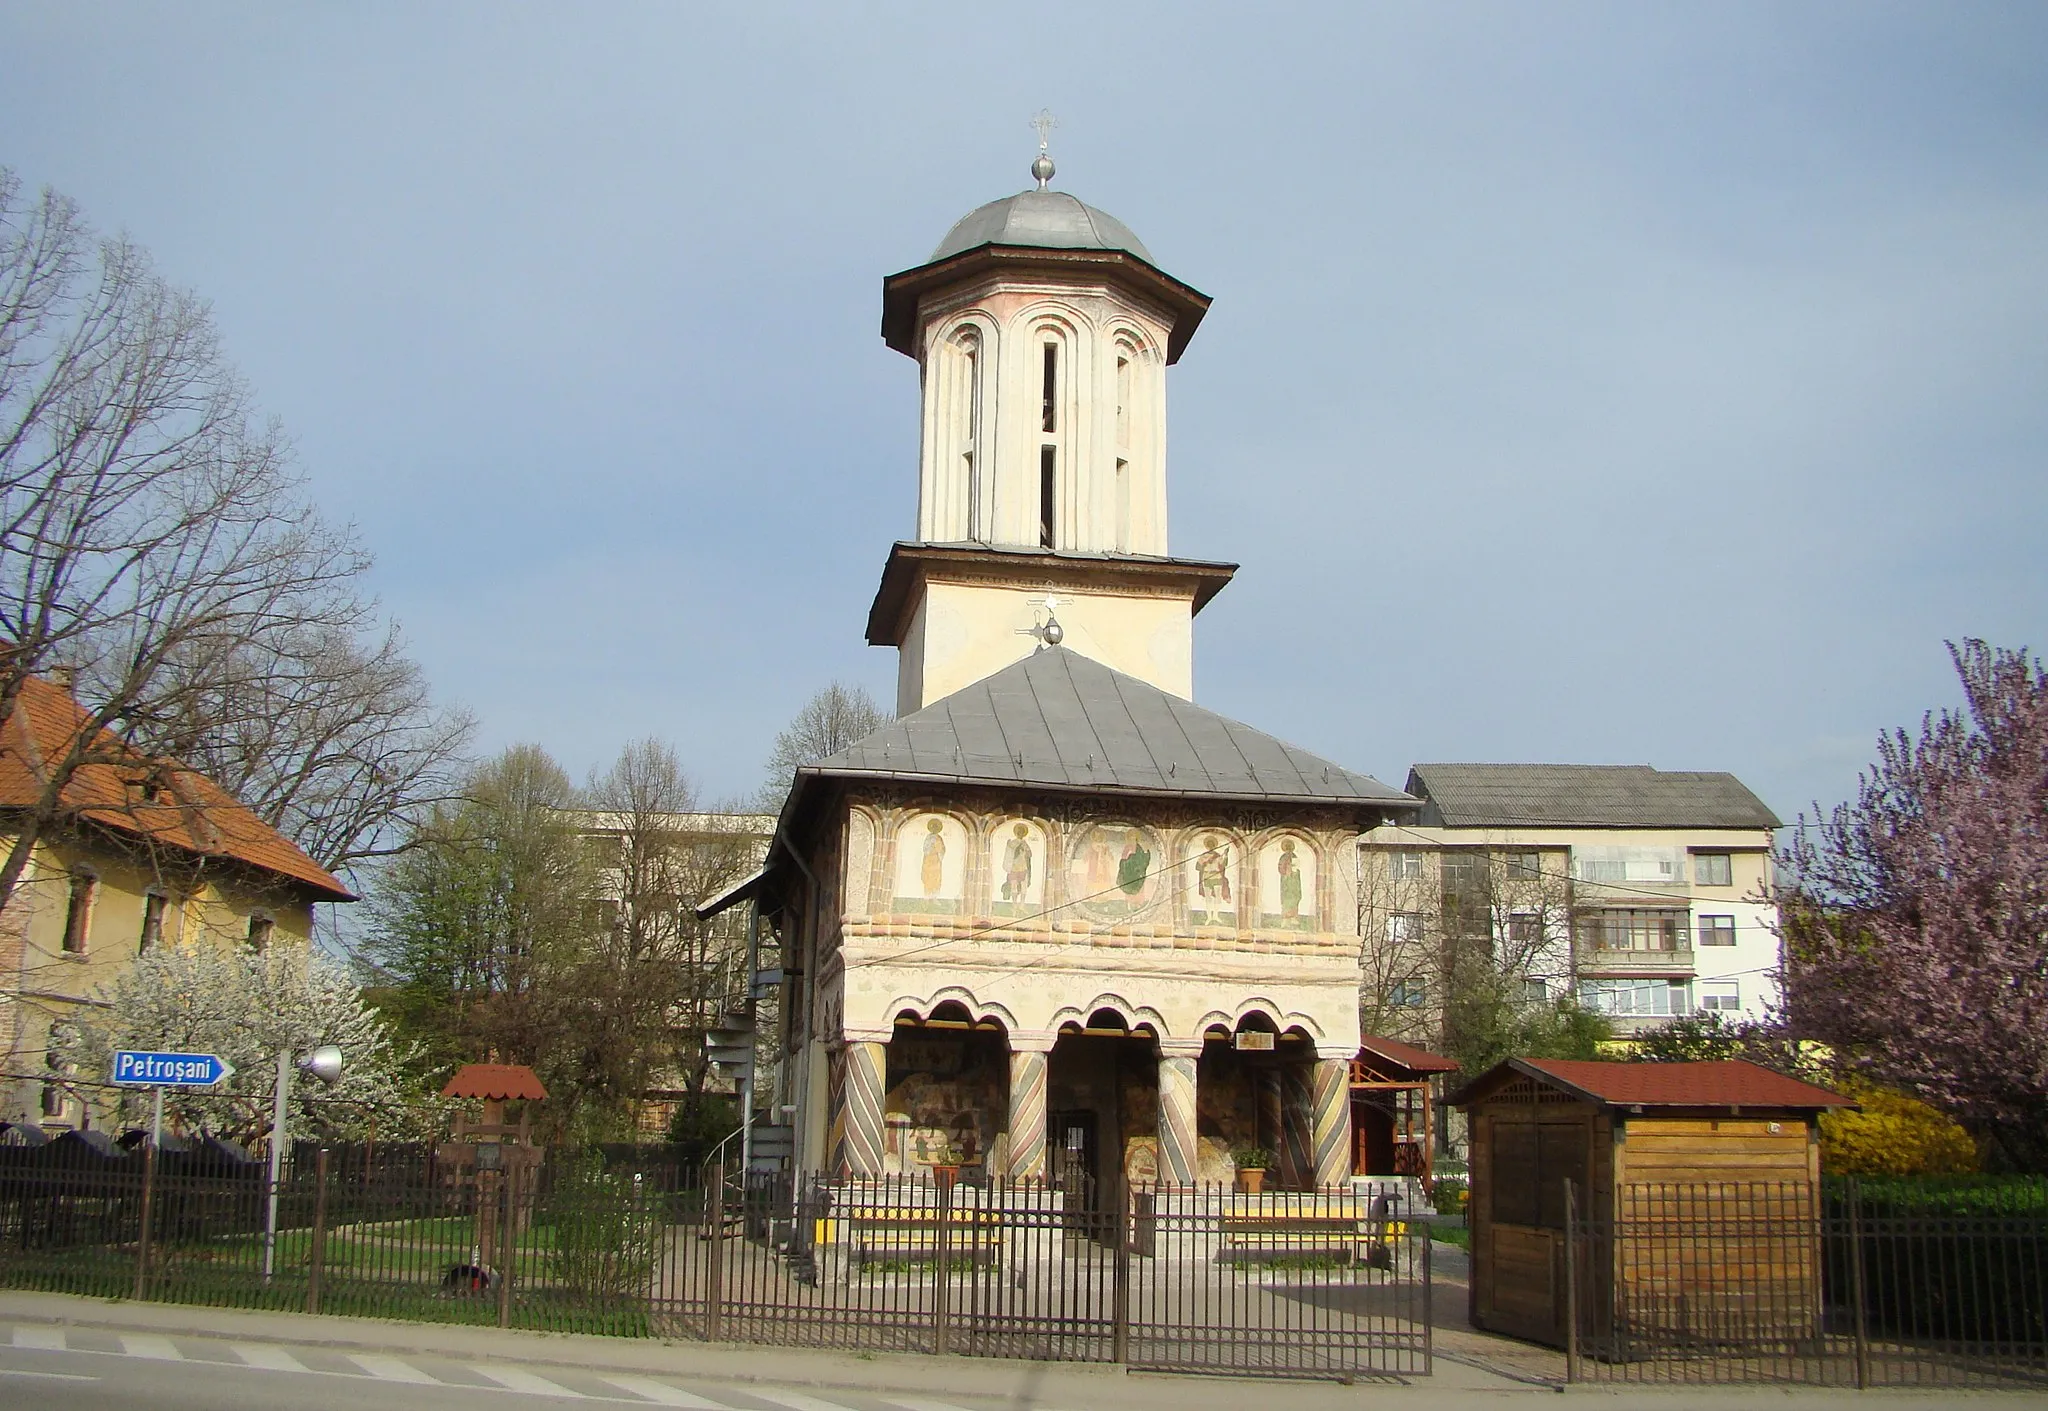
[1916, 918]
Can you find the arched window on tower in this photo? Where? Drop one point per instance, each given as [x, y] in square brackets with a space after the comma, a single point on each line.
[967, 420]
[1122, 486]
[1048, 448]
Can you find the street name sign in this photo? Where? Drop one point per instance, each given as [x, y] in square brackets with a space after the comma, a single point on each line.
[170, 1070]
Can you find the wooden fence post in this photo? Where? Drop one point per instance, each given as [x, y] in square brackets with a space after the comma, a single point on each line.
[142, 1235]
[317, 1257]
[714, 1238]
[1572, 1369]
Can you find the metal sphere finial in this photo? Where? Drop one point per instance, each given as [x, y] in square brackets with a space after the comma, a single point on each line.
[1041, 166]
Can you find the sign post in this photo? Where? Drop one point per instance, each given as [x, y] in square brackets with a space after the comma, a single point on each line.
[139, 1068]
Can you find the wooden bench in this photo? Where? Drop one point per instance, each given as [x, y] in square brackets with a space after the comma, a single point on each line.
[910, 1235]
[1266, 1236]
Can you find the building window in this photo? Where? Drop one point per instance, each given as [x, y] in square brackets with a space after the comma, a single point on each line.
[1637, 999]
[152, 922]
[1408, 994]
[259, 932]
[53, 1100]
[1049, 420]
[1536, 991]
[1717, 930]
[1525, 929]
[1624, 929]
[1404, 926]
[1404, 866]
[1048, 488]
[1713, 869]
[1524, 866]
[1721, 996]
[78, 911]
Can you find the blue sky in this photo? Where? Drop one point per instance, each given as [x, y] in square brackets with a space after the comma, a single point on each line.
[1592, 383]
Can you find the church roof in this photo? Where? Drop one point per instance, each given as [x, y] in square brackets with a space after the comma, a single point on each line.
[1060, 720]
[1050, 220]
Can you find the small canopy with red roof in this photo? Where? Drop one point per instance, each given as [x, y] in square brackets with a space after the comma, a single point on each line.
[495, 1082]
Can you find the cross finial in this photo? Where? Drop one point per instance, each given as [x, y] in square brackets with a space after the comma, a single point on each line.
[1041, 165]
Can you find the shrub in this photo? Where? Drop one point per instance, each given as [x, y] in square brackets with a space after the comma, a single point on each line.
[1893, 1135]
[606, 1232]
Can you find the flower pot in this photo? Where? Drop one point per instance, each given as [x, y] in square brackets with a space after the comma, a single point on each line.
[1251, 1180]
[946, 1177]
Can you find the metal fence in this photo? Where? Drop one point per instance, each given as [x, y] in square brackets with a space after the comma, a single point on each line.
[1894, 1284]
[1324, 1284]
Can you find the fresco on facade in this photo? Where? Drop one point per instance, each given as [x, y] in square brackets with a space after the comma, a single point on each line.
[1114, 872]
[1212, 881]
[1287, 885]
[1016, 869]
[931, 865]
[945, 1103]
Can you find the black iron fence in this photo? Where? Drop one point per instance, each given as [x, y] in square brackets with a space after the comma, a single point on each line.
[1328, 1284]
[1847, 1284]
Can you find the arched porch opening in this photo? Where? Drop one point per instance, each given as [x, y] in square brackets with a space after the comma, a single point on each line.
[1255, 1090]
[1102, 1100]
[946, 1097]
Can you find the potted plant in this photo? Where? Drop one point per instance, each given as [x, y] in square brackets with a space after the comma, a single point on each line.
[1252, 1163]
[945, 1160]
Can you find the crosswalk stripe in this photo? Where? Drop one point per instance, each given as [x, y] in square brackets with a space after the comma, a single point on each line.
[662, 1394]
[390, 1369]
[796, 1400]
[270, 1359]
[519, 1379]
[913, 1404]
[155, 1348]
[44, 1339]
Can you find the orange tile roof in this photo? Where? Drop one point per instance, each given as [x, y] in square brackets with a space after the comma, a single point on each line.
[191, 813]
[1731, 1082]
[498, 1082]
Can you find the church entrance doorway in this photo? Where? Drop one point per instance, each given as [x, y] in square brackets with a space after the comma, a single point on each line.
[1102, 1084]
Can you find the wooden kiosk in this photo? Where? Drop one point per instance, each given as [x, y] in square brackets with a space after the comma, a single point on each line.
[496, 1154]
[1392, 1111]
[1696, 1187]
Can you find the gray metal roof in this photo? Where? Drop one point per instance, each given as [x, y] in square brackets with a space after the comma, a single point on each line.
[1048, 219]
[1060, 720]
[1584, 795]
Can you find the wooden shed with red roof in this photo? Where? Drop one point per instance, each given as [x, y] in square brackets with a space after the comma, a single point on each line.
[1623, 1134]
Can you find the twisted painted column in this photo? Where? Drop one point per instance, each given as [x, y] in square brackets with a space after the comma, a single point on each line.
[1027, 1111]
[1178, 1153]
[867, 1069]
[1297, 1138]
[1333, 1122]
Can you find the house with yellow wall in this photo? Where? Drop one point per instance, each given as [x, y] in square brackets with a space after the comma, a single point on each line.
[144, 853]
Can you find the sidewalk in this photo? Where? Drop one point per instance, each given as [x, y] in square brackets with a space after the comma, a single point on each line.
[1040, 1386]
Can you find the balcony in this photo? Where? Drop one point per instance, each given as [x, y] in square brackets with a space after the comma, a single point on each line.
[1674, 964]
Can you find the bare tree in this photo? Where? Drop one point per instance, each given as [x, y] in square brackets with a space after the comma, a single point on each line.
[155, 540]
[1468, 950]
[829, 721]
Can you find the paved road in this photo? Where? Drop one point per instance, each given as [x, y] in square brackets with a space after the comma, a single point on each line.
[92, 1368]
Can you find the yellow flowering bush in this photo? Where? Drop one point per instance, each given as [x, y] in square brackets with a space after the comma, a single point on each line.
[1892, 1135]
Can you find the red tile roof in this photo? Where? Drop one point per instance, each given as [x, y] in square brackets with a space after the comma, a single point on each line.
[188, 812]
[1730, 1082]
[496, 1082]
[1419, 1060]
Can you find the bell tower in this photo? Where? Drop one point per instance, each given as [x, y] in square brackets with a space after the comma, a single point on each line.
[1042, 330]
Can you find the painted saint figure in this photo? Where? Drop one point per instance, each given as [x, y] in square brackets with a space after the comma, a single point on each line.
[1017, 865]
[1290, 882]
[1131, 870]
[933, 874]
[1212, 870]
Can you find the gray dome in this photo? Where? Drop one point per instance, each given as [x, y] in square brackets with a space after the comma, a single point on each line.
[1051, 220]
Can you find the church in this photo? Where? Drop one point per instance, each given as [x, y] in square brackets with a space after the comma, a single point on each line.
[1057, 919]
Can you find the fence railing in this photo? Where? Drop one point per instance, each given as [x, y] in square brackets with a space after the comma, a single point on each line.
[1330, 1283]
[1894, 1285]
